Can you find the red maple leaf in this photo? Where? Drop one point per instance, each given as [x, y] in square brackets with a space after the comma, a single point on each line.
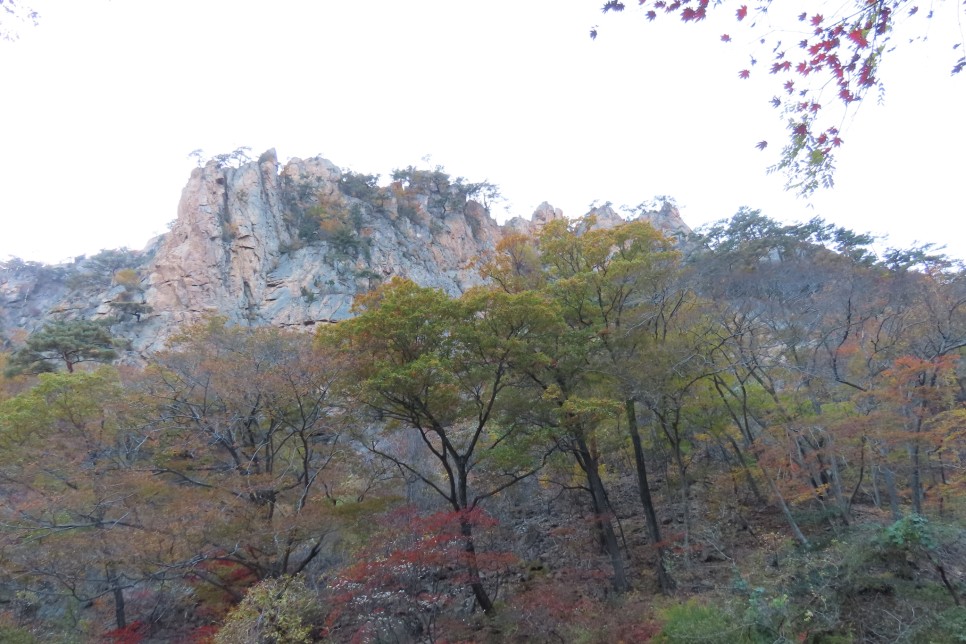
[817, 19]
[651, 15]
[744, 73]
[858, 38]
[742, 12]
[725, 38]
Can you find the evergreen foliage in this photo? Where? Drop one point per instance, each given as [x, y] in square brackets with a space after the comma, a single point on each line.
[66, 343]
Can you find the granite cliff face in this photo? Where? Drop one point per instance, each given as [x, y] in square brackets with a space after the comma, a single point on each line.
[288, 246]
[292, 247]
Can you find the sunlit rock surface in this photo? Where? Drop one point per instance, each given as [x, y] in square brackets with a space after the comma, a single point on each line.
[287, 246]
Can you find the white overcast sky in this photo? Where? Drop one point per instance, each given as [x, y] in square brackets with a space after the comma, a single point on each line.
[103, 101]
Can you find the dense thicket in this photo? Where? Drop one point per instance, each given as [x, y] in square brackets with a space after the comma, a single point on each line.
[753, 435]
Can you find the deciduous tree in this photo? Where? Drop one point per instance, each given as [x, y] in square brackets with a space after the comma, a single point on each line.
[242, 421]
[442, 370]
[78, 519]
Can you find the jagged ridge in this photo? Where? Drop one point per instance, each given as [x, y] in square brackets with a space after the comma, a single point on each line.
[289, 246]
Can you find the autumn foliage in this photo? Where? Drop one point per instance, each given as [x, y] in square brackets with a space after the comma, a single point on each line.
[824, 63]
[759, 432]
[412, 569]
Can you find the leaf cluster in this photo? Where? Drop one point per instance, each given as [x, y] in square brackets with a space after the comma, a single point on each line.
[66, 343]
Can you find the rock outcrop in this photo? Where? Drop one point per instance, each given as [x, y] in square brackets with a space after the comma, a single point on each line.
[293, 248]
[290, 246]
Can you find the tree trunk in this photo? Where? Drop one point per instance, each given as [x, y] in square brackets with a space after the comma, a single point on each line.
[482, 597]
[119, 616]
[749, 477]
[786, 511]
[875, 485]
[461, 504]
[890, 482]
[588, 462]
[915, 478]
[840, 500]
[650, 517]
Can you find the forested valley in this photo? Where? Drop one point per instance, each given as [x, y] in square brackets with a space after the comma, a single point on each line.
[756, 434]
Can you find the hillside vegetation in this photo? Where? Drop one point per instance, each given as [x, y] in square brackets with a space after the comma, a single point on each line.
[757, 434]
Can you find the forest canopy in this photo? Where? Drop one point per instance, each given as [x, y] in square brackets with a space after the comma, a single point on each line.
[755, 434]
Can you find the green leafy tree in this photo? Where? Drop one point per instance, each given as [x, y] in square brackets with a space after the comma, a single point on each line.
[360, 186]
[107, 263]
[442, 194]
[68, 342]
[440, 371]
[610, 285]
[76, 521]
[614, 285]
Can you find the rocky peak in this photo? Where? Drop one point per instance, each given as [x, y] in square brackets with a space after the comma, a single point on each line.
[544, 214]
[289, 246]
[605, 216]
[293, 247]
[668, 220]
[228, 236]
